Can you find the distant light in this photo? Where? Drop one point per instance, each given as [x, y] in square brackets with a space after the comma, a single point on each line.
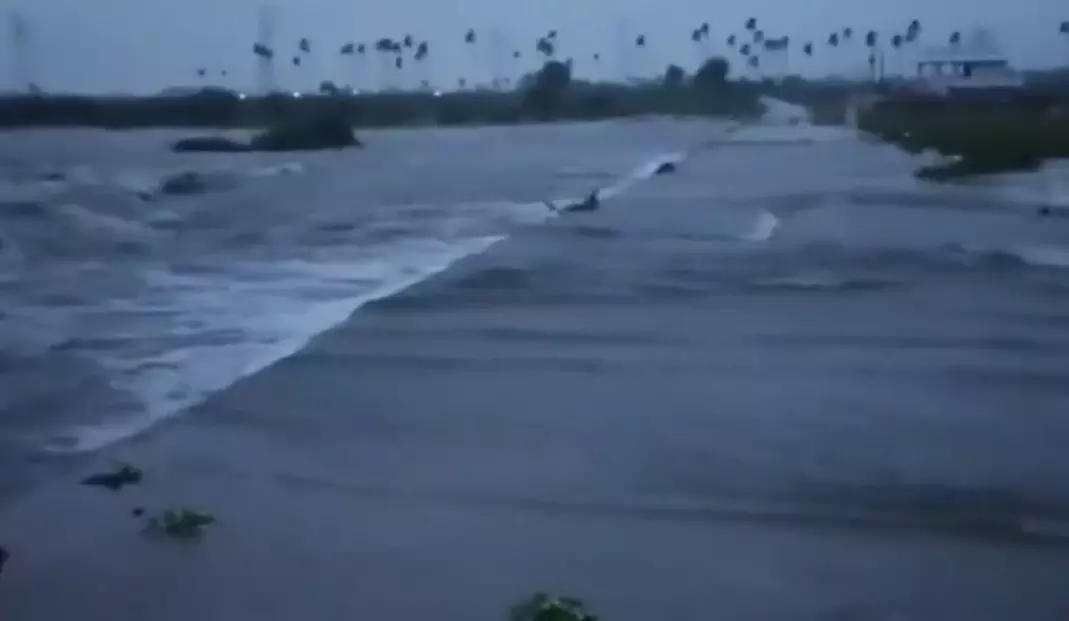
[241, 95]
[437, 93]
[296, 94]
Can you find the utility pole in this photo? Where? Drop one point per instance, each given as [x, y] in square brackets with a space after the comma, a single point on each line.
[265, 63]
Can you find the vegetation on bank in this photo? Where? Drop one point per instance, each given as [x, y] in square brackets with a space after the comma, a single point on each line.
[548, 95]
[980, 136]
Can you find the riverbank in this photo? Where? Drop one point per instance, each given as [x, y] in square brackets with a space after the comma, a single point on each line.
[980, 136]
[224, 109]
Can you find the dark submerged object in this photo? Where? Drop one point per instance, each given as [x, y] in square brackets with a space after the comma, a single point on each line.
[590, 203]
[125, 475]
[179, 523]
[322, 132]
[308, 134]
[184, 183]
[209, 144]
[665, 168]
[1044, 211]
[3, 558]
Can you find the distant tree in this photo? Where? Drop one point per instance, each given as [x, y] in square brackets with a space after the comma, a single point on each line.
[751, 23]
[712, 75]
[913, 31]
[548, 88]
[955, 39]
[674, 76]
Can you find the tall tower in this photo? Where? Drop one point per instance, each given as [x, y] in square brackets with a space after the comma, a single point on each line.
[265, 39]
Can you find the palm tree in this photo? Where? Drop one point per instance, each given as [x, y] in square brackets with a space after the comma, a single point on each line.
[913, 31]
[870, 42]
[640, 44]
[265, 57]
[731, 40]
[744, 51]
[897, 41]
[471, 42]
[347, 52]
[545, 47]
[913, 34]
[751, 23]
[758, 36]
[304, 49]
[384, 47]
[1063, 29]
[955, 39]
[422, 54]
[833, 42]
[703, 43]
[846, 44]
[696, 37]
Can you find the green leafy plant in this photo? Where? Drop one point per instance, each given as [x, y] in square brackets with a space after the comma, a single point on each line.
[542, 607]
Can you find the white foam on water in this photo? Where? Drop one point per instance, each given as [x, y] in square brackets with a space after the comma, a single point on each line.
[1042, 256]
[287, 168]
[178, 378]
[270, 317]
[642, 173]
[764, 227]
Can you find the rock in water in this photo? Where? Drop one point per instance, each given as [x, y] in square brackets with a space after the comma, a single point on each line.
[324, 132]
[209, 144]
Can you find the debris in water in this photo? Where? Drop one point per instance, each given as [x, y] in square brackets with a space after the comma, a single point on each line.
[125, 475]
[665, 168]
[542, 607]
[179, 524]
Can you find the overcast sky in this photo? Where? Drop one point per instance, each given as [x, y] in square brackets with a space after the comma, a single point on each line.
[145, 45]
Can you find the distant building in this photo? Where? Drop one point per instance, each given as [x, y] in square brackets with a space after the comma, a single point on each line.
[974, 67]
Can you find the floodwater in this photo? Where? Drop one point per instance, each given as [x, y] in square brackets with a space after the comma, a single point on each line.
[787, 381]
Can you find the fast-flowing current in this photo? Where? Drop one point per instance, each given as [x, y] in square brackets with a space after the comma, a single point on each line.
[789, 328]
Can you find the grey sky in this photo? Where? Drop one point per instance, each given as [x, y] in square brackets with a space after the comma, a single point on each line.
[144, 45]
